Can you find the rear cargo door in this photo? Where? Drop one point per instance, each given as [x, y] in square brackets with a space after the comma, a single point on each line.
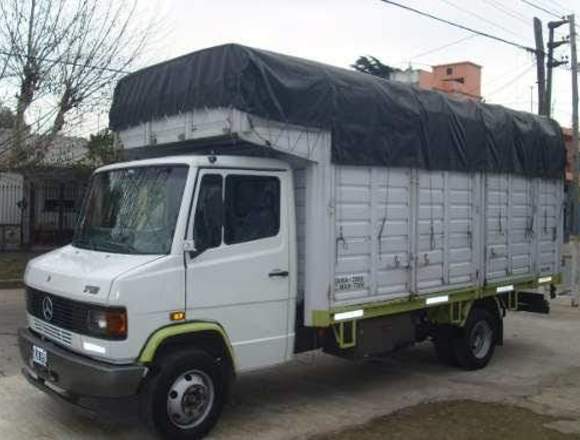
[393, 228]
[446, 225]
[462, 226]
[521, 219]
[497, 261]
[352, 274]
[372, 232]
[430, 230]
[549, 226]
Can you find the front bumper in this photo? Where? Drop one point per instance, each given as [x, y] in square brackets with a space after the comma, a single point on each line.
[72, 376]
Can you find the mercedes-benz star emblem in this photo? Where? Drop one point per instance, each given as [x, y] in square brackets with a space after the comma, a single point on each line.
[47, 309]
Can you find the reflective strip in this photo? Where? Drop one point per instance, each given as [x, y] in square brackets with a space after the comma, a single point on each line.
[348, 315]
[437, 300]
[503, 289]
[88, 346]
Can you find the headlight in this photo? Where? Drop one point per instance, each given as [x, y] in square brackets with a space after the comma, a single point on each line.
[107, 323]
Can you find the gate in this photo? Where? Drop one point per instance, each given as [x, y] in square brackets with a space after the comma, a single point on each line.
[54, 206]
[11, 196]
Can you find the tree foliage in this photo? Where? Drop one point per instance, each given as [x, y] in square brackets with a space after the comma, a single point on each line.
[373, 66]
[7, 118]
[101, 149]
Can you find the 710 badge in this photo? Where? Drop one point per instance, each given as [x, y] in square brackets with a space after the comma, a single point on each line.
[39, 356]
[350, 282]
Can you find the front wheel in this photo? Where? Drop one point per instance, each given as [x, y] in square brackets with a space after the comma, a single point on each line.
[475, 345]
[186, 397]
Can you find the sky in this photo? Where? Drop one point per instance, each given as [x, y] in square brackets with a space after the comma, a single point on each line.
[338, 31]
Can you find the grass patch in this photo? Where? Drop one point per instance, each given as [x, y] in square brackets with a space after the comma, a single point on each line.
[12, 264]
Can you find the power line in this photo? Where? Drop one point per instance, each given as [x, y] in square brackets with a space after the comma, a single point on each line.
[559, 5]
[445, 46]
[70, 63]
[460, 26]
[511, 80]
[540, 8]
[508, 11]
[484, 19]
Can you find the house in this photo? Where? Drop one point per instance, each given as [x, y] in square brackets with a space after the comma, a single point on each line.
[39, 203]
[461, 80]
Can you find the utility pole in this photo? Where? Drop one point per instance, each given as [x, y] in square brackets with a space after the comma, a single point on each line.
[573, 190]
[541, 63]
[552, 25]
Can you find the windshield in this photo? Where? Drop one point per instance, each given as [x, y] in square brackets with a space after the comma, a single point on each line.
[132, 210]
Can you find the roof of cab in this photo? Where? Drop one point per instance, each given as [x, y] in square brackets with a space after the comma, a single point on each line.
[216, 161]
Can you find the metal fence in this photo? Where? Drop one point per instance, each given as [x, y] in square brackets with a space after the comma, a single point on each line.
[11, 196]
[53, 210]
[38, 211]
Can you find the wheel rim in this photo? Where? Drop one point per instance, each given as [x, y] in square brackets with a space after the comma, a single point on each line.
[481, 339]
[190, 399]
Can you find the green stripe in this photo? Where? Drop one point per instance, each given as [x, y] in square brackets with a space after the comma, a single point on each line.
[148, 352]
[324, 318]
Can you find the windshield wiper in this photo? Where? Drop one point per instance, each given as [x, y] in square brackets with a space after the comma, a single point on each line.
[113, 246]
[84, 243]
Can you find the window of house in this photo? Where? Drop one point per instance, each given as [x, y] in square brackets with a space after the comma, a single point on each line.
[449, 71]
[53, 205]
[252, 208]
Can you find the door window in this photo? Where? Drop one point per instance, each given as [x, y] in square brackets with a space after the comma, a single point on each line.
[207, 231]
[252, 208]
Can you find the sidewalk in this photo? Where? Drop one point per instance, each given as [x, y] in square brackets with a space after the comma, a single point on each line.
[12, 265]
[12, 316]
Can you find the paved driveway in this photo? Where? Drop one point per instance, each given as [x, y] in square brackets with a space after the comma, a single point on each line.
[538, 368]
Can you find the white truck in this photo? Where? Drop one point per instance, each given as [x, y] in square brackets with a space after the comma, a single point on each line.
[259, 228]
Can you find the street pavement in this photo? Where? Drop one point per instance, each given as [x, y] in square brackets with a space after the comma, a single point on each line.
[538, 368]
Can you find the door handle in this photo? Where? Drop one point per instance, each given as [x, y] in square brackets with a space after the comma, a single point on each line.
[278, 273]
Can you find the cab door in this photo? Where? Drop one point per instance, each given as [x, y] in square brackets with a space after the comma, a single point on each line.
[239, 274]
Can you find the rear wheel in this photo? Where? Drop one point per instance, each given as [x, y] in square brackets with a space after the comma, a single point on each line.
[475, 344]
[186, 397]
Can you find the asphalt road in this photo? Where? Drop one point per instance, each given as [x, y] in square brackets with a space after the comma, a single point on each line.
[537, 369]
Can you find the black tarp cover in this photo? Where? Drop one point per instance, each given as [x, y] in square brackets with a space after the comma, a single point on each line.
[373, 121]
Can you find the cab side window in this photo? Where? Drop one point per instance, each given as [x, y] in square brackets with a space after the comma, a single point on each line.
[252, 208]
[207, 230]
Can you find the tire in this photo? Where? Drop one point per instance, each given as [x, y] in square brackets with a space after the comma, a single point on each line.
[443, 342]
[475, 344]
[185, 399]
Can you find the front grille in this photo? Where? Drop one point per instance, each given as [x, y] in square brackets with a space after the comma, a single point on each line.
[53, 332]
[66, 314]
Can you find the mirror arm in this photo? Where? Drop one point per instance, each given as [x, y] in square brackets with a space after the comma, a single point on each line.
[189, 246]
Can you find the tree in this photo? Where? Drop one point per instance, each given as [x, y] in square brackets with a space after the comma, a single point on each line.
[66, 52]
[7, 118]
[101, 149]
[373, 66]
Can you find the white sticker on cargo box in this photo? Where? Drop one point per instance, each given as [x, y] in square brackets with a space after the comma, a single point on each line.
[350, 282]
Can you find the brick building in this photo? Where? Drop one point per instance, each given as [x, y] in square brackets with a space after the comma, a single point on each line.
[460, 80]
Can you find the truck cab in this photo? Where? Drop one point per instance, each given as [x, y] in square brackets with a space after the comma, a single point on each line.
[166, 250]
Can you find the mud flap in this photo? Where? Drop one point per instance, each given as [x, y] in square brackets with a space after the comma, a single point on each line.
[532, 302]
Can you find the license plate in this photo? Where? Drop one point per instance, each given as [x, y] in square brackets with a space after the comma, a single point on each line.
[39, 356]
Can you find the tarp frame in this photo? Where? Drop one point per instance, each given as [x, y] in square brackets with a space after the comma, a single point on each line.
[372, 121]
